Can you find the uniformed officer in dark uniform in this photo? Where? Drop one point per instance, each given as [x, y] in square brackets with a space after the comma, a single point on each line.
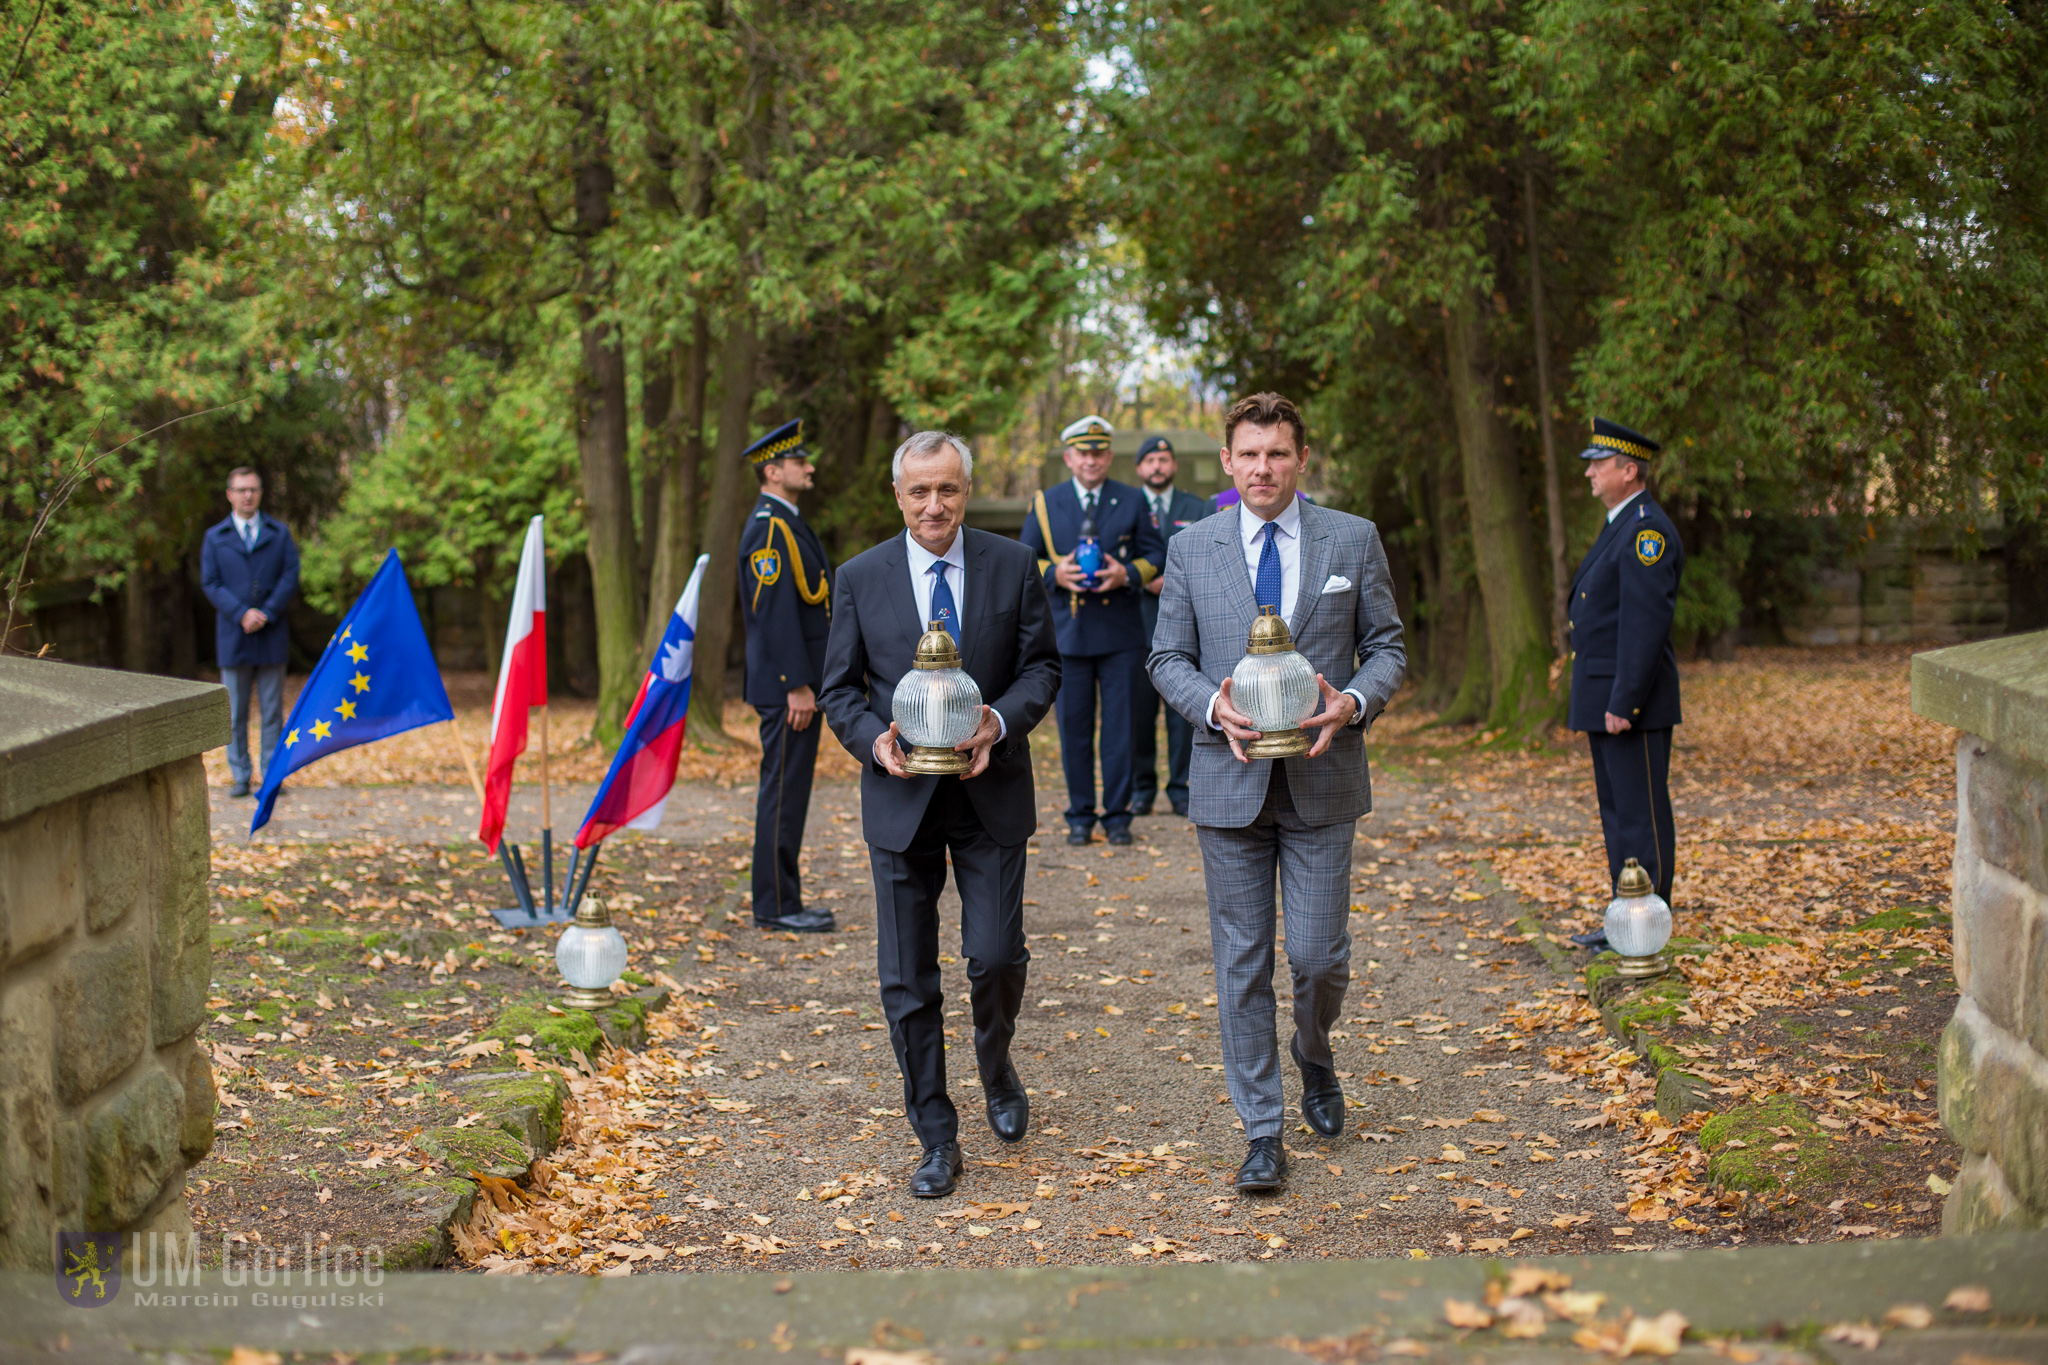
[1172, 511]
[1101, 629]
[1624, 673]
[786, 595]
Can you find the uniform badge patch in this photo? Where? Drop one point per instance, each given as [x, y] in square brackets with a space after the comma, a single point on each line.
[767, 565]
[1649, 546]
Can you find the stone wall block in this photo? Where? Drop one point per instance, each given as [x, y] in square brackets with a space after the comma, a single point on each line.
[132, 1149]
[181, 969]
[2012, 1104]
[2007, 800]
[1956, 1067]
[28, 1116]
[1996, 918]
[195, 1077]
[120, 843]
[40, 894]
[1981, 1202]
[188, 845]
[100, 995]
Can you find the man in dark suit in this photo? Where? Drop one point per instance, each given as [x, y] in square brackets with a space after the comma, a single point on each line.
[1171, 511]
[249, 570]
[1101, 629]
[785, 593]
[1624, 673]
[986, 590]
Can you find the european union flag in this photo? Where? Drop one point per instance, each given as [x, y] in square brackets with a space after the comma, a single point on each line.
[376, 677]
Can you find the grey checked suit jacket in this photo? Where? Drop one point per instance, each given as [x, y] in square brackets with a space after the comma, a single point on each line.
[1352, 637]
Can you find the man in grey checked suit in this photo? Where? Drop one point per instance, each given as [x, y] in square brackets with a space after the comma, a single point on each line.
[1326, 573]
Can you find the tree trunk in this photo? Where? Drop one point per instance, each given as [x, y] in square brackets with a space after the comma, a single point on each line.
[657, 453]
[138, 624]
[1461, 682]
[675, 551]
[731, 484]
[1502, 550]
[1553, 494]
[601, 442]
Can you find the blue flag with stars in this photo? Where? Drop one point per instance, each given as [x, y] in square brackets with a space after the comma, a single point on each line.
[376, 678]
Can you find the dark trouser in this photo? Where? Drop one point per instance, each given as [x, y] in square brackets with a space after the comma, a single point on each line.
[1180, 747]
[784, 799]
[990, 879]
[1632, 774]
[1119, 676]
[267, 682]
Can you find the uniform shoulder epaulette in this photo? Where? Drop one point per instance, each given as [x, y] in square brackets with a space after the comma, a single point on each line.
[1642, 512]
[762, 515]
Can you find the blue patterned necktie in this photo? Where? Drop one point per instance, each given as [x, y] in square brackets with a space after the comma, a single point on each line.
[1267, 586]
[943, 609]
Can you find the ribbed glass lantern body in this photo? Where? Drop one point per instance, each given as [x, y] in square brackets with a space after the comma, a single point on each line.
[1638, 926]
[936, 708]
[1278, 691]
[591, 959]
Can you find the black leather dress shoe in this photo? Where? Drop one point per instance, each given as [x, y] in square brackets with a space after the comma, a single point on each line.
[1597, 940]
[1121, 838]
[1322, 1098]
[803, 922]
[1180, 808]
[1009, 1108]
[239, 790]
[938, 1173]
[1141, 808]
[1265, 1166]
[1077, 837]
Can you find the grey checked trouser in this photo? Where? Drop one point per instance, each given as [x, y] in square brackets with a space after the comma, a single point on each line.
[1313, 864]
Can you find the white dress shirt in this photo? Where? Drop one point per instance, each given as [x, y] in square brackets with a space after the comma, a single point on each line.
[1161, 505]
[246, 527]
[784, 501]
[1615, 510]
[923, 581]
[1083, 492]
[1251, 529]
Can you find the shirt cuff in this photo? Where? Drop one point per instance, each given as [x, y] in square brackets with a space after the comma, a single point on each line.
[1214, 697]
[1358, 697]
[1002, 726]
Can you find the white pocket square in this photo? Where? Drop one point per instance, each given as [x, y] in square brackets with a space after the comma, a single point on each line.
[1338, 583]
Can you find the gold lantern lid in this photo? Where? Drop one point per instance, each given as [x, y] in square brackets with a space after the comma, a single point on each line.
[936, 650]
[592, 914]
[1269, 634]
[1634, 881]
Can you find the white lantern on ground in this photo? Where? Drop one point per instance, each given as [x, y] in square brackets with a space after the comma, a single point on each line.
[1274, 686]
[591, 954]
[936, 706]
[1638, 924]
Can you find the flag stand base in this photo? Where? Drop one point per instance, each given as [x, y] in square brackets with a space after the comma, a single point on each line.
[518, 917]
[531, 914]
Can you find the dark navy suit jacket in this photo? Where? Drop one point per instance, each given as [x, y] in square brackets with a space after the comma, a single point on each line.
[1621, 607]
[236, 578]
[1006, 646]
[1183, 510]
[1097, 622]
[782, 563]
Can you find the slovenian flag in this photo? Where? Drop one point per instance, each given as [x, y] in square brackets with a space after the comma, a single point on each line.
[522, 682]
[635, 791]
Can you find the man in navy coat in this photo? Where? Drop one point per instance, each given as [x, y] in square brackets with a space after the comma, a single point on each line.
[1624, 673]
[1101, 628]
[786, 595]
[249, 570]
[1172, 511]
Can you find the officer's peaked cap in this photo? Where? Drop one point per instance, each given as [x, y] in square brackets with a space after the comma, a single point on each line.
[786, 442]
[1612, 438]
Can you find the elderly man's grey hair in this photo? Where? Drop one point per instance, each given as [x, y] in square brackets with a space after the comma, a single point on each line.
[928, 443]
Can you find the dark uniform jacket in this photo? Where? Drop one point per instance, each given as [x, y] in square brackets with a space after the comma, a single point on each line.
[1183, 510]
[1006, 646]
[236, 578]
[1621, 606]
[1096, 622]
[786, 593]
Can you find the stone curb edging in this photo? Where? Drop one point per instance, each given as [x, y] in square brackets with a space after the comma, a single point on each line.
[1114, 1312]
[1527, 919]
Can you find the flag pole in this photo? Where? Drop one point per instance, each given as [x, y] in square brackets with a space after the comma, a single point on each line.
[469, 764]
[547, 821]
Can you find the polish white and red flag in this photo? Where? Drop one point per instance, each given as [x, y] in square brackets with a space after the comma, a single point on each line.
[522, 682]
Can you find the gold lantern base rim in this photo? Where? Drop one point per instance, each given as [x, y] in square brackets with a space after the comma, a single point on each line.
[1642, 968]
[928, 761]
[1279, 744]
[586, 998]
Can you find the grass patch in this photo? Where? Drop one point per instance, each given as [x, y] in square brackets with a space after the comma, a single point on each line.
[1768, 1146]
[1900, 917]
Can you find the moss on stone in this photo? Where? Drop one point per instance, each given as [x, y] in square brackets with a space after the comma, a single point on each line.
[556, 1035]
[1900, 917]
[1755, 940]
[526, 1104]
[469, 1151]
[432, 1204]
[1739, 1145]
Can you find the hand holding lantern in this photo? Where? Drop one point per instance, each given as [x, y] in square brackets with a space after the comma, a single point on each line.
[1275, 687]
[937, 706]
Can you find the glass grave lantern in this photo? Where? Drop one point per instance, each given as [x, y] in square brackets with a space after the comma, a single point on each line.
[1276, 687]
[591, 954]
[936, 706]
[1638, 924]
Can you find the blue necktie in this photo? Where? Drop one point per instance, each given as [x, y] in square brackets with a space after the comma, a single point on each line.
[1267, 586]
[943, 610]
